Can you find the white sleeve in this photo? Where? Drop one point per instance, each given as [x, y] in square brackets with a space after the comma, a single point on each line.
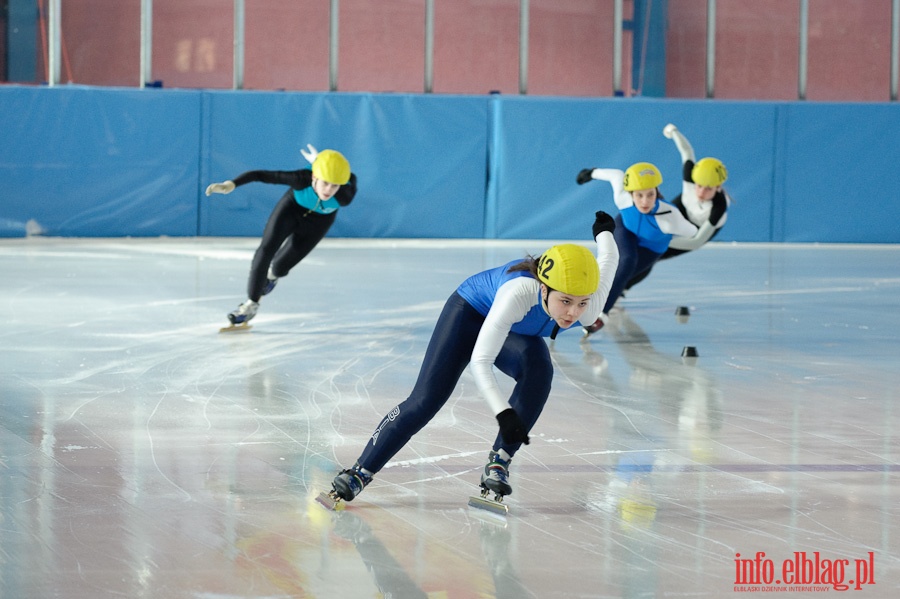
[684, 146]
[513, 301]
[692, 243]
[673, 222]
[616, 178]
[608, 261]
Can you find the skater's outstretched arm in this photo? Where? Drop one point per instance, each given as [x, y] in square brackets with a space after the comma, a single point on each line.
[616, 179]
[296, 179]
[299, 179]
[608, 262]
[681, 142]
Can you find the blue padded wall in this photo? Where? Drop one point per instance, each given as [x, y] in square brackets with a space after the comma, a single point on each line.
[96, 162]
[99, 162]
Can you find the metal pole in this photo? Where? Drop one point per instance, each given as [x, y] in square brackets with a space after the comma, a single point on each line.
[710, 48]
[238, 44]
[53, 43]
[895, 47]
[429, 46]
[333, 47]
[523, 46]
[617, 48]
[804, 49]
[146, 42]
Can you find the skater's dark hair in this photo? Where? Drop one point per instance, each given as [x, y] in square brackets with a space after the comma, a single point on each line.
[530, 265]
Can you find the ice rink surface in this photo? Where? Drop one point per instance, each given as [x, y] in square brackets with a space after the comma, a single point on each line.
[145, 455]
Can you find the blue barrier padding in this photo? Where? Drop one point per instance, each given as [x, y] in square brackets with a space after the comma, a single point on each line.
[420, 160]
[98, 162]
[79, 161]
[841, 174]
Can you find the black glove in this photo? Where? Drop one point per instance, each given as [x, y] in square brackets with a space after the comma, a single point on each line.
[584, 175]
[603, 222]
[512, 429]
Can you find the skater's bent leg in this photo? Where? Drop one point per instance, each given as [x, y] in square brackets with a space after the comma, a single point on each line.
[527, 360]
[447, 356]
[627, 243]
[280, 225]
[310, 230]
[637, 279]
[643, 263]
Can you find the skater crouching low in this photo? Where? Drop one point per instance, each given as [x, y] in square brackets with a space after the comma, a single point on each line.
[645, 225]
[298, 222]
[703, 200]
[497, 318]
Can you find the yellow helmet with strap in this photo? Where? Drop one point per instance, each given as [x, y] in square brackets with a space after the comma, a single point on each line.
[569, 268]
[642, 175]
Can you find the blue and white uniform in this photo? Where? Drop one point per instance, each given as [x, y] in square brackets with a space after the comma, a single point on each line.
[494, 319]
[708, 216]
[641, 238]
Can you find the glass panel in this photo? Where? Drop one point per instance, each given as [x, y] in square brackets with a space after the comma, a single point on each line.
[100, 42]
[570, 47]
[476, 46]
[193, 43]
[757, 49]
[382, 45]
[23, 41]
[686, 49]
[849, 50]
[287, 44]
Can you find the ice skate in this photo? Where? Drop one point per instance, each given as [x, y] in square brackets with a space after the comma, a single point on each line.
[241, 317]
[345, 487]
[271, 281]
[590, 330]
[494, 479]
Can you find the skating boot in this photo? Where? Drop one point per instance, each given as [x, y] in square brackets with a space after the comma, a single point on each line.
[345, 486]
[271, 281]
[494, 479]
[598, 324]
[244, 313]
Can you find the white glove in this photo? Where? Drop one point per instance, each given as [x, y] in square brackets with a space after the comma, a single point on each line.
[224, 187]
[669, 130]
[310, 153]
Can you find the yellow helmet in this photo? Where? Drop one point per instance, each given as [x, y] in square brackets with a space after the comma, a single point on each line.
[709, 172]
[642, 175]
[331, 166]
[569, 268]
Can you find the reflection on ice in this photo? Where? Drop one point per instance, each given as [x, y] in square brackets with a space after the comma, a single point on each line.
[143, 454]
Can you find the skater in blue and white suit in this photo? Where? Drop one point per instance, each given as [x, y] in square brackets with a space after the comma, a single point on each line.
[703, 200]
[644, 226]
[496, 318]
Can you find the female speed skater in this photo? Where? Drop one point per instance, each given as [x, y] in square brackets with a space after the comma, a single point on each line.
[496, 318]
[703, 200]
[644, 226]
[299, 221]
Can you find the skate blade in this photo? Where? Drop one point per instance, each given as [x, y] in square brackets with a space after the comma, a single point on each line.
[330, 502]
[488, 505]
[236, 328]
